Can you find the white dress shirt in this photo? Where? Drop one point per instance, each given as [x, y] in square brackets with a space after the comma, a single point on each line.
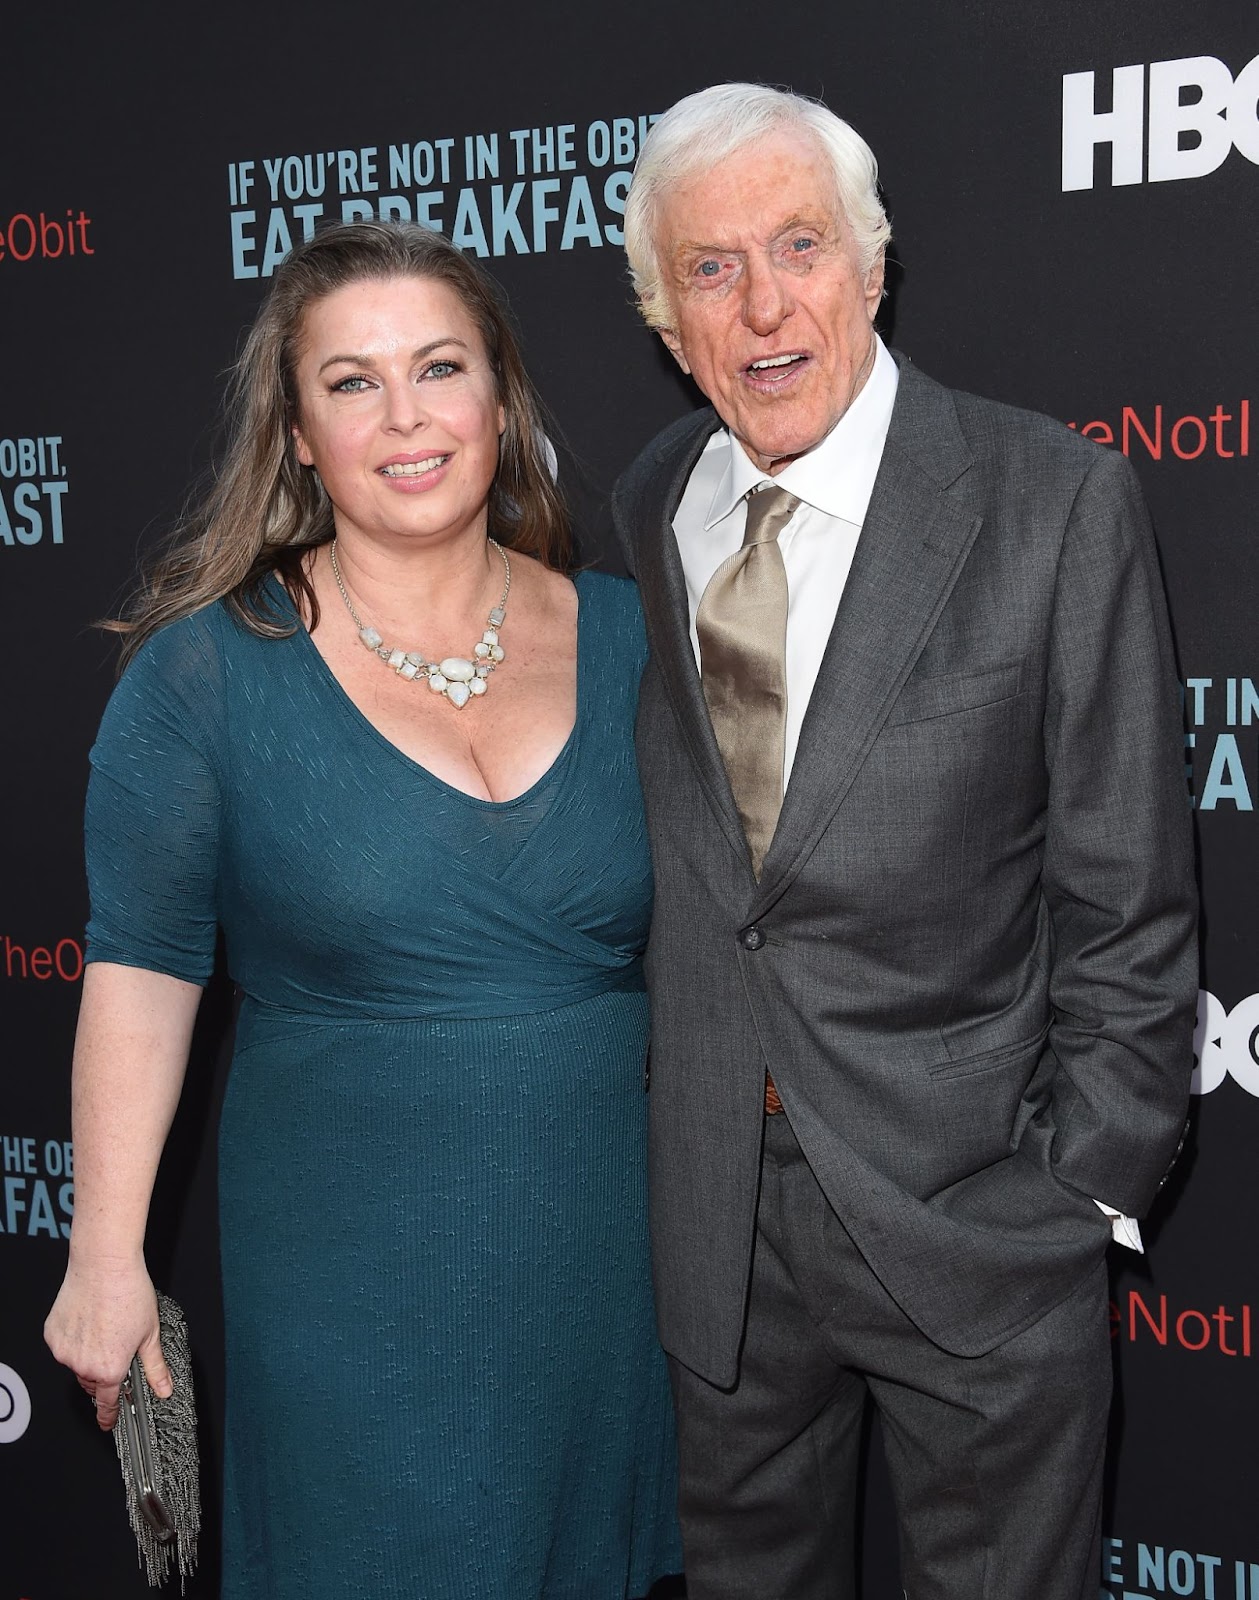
[833, 483]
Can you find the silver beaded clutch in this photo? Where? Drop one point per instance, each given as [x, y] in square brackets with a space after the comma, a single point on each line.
[157, 1446]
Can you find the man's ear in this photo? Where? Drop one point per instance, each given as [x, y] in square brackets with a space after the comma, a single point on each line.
[874, 286]
[674, 346]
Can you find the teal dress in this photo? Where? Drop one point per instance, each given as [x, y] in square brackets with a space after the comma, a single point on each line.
[443, 1381]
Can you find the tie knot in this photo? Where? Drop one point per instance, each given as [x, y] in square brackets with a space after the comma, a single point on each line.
[769, 511]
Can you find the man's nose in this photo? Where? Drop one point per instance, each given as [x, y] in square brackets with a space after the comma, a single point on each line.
[766, 297]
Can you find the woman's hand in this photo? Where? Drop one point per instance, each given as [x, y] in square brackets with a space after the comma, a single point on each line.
[129, 1057]
[105, 1314]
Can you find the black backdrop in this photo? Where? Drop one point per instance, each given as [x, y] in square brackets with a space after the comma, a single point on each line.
[136, 221]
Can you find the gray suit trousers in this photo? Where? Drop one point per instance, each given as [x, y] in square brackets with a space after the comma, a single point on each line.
[996, 1460]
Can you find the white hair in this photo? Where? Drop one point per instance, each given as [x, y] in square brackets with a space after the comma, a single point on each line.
[703, 129]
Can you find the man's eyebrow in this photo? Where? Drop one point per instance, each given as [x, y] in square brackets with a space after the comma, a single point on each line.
[694, 247]
[819, 221]
[416, 355]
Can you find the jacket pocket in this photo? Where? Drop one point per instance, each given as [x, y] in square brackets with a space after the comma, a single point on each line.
[922, 698]
[990, 1060]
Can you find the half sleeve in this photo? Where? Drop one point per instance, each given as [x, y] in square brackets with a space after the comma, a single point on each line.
[155, 806]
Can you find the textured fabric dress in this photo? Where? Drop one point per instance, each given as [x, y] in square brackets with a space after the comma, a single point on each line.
[442, 1370]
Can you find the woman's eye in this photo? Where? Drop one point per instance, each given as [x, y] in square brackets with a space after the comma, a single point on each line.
[441, 369]
[354, 385]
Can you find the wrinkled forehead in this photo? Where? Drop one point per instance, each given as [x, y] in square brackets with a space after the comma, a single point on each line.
[755, 189]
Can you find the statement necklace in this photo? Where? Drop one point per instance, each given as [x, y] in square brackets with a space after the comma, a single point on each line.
[458, 678]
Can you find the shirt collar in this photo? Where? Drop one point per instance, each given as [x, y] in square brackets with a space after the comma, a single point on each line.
[837, 476]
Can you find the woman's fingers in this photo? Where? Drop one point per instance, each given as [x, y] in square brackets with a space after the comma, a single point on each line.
[104, 1397]
[101, 1319]
[155, 1368]
[106, 1402]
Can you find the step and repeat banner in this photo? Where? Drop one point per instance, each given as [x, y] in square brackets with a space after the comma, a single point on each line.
[1074, 191]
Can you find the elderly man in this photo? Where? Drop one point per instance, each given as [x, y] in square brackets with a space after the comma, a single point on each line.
[922, 970]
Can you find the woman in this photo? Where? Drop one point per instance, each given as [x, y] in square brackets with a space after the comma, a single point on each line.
[371, 729]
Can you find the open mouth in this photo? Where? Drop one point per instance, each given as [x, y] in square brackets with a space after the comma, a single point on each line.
[770, 371]
[413, 469]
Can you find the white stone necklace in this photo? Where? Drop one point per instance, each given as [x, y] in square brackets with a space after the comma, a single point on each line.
[456, 677]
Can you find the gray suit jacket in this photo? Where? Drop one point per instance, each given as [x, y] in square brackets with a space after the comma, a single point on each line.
[969, 962]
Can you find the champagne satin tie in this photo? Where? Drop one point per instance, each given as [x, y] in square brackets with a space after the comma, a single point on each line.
[741, 622]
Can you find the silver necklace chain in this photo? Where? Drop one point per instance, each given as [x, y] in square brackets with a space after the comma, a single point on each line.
[459, 678]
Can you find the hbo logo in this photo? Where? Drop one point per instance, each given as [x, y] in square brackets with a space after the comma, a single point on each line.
[1169, 140]
[1224, 1044]
[15, 1405]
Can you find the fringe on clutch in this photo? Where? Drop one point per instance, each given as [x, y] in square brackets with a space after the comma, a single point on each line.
[157, 1446]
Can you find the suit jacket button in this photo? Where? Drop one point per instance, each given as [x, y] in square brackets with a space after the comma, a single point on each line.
[752, 938]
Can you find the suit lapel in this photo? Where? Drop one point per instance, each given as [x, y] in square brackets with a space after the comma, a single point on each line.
[662, 587]
[913, 544]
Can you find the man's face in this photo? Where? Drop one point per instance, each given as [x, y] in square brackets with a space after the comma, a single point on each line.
[770, 312]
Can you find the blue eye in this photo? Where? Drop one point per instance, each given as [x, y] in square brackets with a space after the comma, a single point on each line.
[354, 385]
[801, 245]
[441, 369]
[709, 269]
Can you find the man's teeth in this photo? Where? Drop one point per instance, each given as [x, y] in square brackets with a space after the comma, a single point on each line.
[412, 469]
[773, 361]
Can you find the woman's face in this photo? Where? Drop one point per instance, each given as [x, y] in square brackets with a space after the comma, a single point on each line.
[397, 410]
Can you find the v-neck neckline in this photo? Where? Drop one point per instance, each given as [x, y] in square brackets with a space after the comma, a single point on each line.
[364, 722]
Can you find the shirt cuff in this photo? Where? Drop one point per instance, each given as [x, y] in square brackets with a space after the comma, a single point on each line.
[1123, 1230]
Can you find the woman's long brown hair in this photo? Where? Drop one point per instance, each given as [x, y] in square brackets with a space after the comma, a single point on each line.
[264, 512]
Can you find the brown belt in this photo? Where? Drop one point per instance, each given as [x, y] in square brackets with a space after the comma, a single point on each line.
[773, 1105]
